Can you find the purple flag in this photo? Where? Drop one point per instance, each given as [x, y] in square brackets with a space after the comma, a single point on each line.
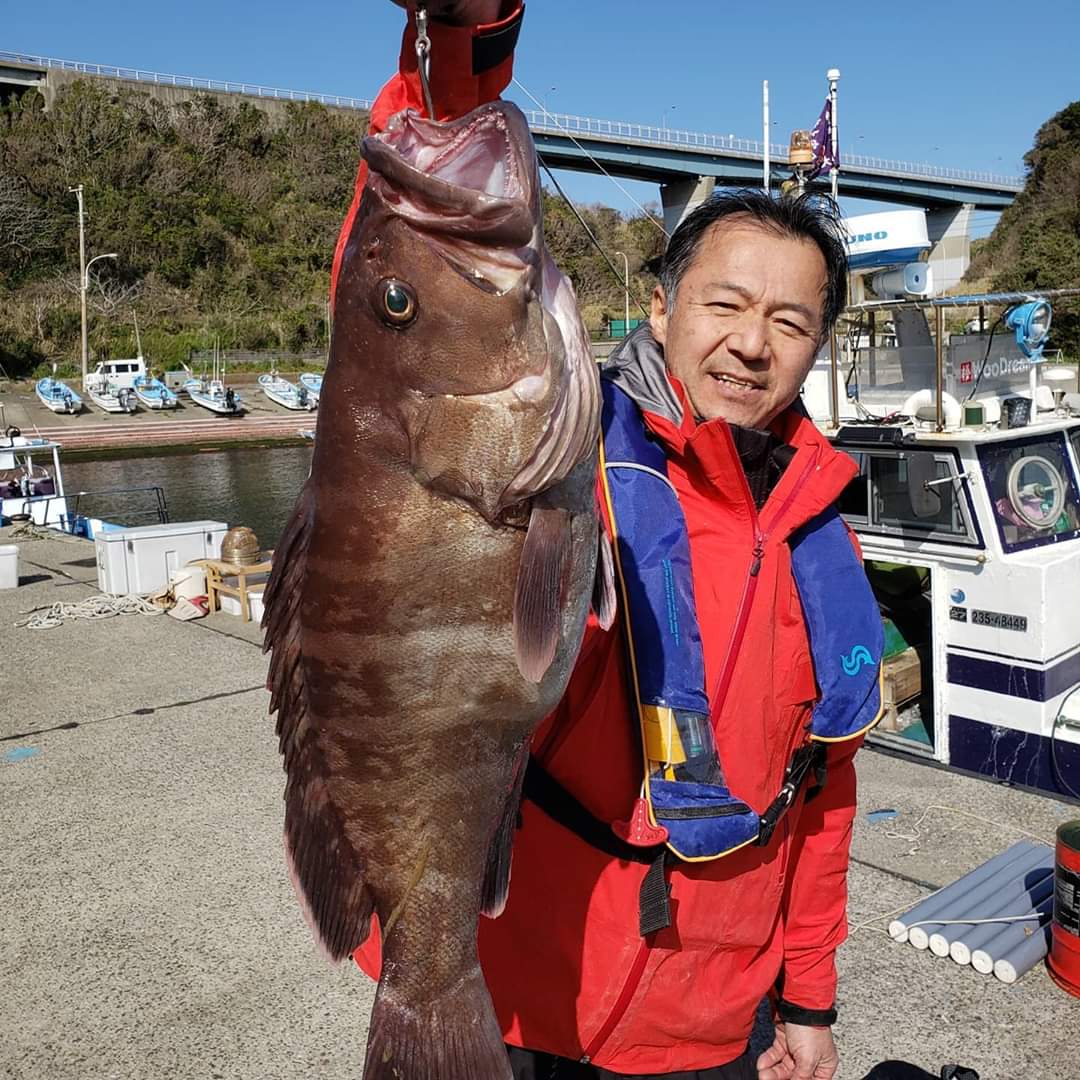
[821, 140]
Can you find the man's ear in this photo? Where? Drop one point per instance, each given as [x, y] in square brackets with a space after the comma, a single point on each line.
[658, 316]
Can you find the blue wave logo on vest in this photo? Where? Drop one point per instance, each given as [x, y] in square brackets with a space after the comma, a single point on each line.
[856, 660]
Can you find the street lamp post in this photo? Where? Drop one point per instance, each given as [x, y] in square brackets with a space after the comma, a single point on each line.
[626, 316]
[84, 271]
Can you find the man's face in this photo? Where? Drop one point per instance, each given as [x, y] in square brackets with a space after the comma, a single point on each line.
[744, 328]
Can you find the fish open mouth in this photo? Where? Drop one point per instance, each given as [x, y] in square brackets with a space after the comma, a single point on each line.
[472, 177]
[479, 152]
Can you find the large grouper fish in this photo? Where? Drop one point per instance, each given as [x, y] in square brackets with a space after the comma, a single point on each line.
[430, 591]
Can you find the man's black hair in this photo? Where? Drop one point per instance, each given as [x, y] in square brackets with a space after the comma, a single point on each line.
[808, 216]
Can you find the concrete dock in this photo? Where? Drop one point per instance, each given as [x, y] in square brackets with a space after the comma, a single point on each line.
[150, 930]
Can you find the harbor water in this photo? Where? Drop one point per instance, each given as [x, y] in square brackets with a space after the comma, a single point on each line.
[254, 486]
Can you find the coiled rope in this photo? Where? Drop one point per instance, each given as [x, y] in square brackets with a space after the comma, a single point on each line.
[104, 606]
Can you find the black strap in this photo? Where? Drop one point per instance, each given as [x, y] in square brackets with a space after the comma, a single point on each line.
[491, 48]
[654, 907]
[796, 1014]
[559, 805]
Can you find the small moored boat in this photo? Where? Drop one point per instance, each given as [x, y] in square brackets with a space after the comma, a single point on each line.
[215, 396]
[110, 397]
[312, 382]
[287, 394]
[57, 396]
[153, 393]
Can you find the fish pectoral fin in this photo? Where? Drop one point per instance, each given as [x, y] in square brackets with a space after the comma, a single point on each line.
[497, 875]
[604, 602]
[545, 562]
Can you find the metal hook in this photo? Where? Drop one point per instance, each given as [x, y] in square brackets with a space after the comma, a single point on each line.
[423, 57]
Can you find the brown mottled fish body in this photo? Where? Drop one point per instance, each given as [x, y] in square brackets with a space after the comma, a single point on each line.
[430, 593]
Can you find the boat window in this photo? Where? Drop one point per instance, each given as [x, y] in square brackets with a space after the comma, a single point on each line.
[1032, 489]
[119, 369]
[854, 502]
[892, 510]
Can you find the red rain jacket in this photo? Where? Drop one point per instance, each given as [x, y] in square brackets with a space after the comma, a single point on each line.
[568, 971]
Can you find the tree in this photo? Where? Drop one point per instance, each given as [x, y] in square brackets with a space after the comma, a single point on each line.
[1036, 244]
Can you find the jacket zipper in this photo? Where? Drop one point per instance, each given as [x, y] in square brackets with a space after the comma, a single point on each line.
[622, 1002]
[742, 618]
[637, 968]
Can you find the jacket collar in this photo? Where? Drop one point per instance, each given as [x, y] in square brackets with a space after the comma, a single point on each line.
[811, 483]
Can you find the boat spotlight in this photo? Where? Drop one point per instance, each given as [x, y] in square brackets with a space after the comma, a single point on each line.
[1031, 323]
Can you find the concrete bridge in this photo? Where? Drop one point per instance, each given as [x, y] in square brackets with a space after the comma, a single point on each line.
[687, 165]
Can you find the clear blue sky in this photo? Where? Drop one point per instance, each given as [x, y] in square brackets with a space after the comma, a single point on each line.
[955, 83]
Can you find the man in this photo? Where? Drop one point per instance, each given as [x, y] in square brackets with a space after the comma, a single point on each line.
[749, 289]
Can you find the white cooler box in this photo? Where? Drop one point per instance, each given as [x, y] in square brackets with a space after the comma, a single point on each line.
[141, 560]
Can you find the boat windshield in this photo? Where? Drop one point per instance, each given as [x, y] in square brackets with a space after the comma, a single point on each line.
[1033, 489]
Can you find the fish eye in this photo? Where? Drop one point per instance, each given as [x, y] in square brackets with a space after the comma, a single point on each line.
[397, 302]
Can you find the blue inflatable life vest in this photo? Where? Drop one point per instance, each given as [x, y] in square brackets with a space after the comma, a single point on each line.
[689, 805]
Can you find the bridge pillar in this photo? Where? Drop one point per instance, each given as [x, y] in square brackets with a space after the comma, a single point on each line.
[680, 198]
[949, 232]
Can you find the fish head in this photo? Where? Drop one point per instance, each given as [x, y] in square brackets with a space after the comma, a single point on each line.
[448, 262]
[451, 316]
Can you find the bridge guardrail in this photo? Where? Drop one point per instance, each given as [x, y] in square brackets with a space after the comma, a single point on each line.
[567, 124]
[186, 82]
[541, 121]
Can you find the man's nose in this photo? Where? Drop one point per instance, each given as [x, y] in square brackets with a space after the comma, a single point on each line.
[749, 341]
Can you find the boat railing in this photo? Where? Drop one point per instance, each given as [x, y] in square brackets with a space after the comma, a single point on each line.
[155, 508]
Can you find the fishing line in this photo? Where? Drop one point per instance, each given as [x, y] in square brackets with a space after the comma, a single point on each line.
[554, 120]
[591, 235]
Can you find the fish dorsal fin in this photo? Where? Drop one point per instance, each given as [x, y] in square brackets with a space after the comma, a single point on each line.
[545, 561]
[326, 869]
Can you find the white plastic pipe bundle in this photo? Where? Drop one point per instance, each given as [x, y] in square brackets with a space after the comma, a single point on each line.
[1018, 882]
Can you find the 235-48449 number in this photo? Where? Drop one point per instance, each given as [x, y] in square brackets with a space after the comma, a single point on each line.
[999, 620]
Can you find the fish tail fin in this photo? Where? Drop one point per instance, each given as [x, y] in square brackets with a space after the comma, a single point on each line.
[452, 1037]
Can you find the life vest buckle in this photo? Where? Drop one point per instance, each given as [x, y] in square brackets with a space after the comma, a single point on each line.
[798, 767]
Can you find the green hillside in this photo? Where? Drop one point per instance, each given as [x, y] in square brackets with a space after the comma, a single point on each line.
[224, 219]
[1036, 244]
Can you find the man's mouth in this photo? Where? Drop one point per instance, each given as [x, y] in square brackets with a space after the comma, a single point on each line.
[741, 385]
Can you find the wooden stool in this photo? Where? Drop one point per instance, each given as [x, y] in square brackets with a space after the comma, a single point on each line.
[216, 587]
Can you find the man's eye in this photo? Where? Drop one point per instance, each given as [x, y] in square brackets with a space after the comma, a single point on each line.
[790, 327]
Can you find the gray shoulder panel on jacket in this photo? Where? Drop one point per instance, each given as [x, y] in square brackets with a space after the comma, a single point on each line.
[637, 367]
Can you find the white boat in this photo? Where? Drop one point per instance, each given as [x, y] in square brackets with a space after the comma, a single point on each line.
[153, 393]
[32, 489]
[287, 394]
[215, 396]
[111, 385]
[110, 397]
[212, 393]
[966, 505]
[58, 396]
[313, 384]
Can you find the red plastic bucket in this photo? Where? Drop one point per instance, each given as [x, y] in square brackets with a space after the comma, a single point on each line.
[1064, 959]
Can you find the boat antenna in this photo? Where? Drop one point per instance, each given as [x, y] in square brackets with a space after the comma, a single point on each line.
[138, 340]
